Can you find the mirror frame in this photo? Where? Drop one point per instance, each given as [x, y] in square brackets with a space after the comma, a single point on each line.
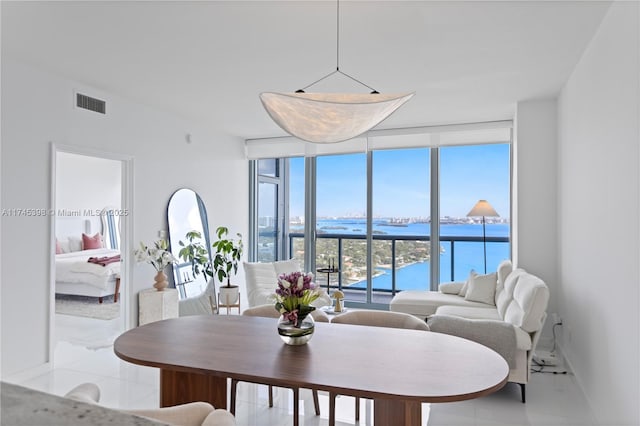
[204, 220]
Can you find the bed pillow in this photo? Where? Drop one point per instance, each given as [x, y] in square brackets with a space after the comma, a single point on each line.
[75, 244]
[94, 242]
[482, 288]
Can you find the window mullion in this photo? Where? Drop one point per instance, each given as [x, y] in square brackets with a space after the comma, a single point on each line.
[434, 238]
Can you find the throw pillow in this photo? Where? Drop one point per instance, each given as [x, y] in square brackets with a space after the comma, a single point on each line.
[482, 288]
[58, 247]
[463, 290]
[450, 288]
[75, 244]
[94, 242]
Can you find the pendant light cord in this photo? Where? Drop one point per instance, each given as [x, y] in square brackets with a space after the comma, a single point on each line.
[337, 71]
[337, 35]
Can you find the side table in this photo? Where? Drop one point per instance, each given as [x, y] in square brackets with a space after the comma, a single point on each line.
[154, 305]
[329, 271]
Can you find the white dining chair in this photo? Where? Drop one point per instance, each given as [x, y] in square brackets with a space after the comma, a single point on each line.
[372, 318]
[190, 414]
[269, 311]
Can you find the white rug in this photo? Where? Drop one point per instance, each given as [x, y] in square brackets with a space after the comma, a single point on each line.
[84, 306]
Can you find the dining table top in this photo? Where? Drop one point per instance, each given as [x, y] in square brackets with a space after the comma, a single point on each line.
[370, 362]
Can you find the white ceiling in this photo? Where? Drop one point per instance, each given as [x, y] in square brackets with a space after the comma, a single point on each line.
[208, 60]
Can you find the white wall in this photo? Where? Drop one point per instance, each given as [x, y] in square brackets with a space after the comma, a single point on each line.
[37, 109]
[85, 184]
[599, 218]
[535, 194]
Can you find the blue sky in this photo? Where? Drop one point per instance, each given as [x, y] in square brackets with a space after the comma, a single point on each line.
[401, 182]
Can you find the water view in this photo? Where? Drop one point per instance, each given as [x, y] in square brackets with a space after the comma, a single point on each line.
[412, 256]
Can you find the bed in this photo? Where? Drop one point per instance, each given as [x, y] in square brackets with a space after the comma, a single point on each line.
[75, 275]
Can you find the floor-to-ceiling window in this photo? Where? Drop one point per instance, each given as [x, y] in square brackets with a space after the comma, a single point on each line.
[393, 215]
[400, 188]
[269, 210]
[296, 202]
[469, 174]
[341, 222]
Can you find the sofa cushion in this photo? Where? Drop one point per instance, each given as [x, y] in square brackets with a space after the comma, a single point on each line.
[482, 288]
[471, 312]
[424, 303]
[503, 300]
[504, 269]
[450, 288]
[497, 335]
[529, 303]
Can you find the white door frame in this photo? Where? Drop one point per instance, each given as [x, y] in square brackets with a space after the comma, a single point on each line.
[126, 236]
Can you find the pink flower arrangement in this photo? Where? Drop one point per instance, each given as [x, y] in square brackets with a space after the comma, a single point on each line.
[294, 295]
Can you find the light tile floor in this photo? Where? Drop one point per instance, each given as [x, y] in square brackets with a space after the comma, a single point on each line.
[84, 353]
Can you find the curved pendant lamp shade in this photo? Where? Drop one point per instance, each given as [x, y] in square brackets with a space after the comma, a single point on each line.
[330, 117]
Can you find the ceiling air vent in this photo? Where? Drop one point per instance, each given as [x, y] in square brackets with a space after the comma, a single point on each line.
[92, 104]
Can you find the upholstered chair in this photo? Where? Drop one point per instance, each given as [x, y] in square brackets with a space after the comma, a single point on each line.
[373, 318]
[191, 414]
[269, 311]
[261, 279]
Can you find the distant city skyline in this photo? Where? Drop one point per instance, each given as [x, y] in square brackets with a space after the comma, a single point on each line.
[401, 182]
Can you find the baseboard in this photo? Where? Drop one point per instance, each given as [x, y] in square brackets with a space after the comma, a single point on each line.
[25, 375]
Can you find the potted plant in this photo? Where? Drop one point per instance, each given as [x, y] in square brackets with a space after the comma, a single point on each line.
[225, 262]
[197, 254]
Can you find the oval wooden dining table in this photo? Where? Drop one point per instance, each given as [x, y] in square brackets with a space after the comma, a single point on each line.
[398, 369]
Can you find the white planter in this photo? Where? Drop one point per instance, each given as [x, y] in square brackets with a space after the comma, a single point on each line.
[229, 295]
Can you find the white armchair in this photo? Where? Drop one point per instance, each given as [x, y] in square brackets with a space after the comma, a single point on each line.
[262, 278]
[191, 414]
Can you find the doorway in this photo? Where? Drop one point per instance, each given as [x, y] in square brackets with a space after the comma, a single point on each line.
[90, 233]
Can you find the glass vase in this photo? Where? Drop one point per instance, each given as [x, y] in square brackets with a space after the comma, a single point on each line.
[298, 334]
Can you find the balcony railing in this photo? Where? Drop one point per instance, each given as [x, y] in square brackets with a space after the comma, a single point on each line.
[447, 243]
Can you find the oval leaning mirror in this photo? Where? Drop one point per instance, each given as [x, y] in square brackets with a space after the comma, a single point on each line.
[189, 238]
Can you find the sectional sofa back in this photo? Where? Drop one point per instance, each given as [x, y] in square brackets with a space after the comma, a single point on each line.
[523, 300]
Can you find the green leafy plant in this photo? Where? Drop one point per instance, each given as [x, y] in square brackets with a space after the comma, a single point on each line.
[228, 254]
[196, 253]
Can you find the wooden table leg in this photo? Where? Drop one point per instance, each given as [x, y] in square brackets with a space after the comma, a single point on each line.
[397, 412]
[177, 387]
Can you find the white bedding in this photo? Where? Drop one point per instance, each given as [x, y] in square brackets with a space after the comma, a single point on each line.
[74, 268]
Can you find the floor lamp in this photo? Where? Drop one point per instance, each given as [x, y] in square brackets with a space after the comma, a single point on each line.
[484, 209]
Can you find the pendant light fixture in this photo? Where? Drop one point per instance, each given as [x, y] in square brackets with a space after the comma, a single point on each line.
[331, 117]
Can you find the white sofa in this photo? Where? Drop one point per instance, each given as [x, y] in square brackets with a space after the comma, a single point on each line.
[262, 281]
[507, 317]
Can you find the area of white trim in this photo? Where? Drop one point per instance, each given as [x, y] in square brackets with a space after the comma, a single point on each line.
[410, 137]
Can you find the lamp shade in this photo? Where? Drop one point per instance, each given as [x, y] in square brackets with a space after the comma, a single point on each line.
[330, 117]
[483, 208]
